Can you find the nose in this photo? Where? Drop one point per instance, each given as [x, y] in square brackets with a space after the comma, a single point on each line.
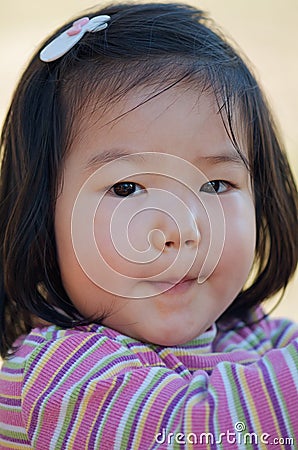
[174, 233]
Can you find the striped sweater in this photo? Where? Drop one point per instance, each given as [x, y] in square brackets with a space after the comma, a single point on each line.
[93, 388]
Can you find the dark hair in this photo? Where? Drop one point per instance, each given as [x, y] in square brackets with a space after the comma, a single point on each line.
[152, 45]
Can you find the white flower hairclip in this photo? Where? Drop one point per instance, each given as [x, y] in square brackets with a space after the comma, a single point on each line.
[66, 40]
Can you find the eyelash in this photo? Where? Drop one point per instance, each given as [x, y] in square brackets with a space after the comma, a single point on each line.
[128, 184]
[131, 185]
[227, 185]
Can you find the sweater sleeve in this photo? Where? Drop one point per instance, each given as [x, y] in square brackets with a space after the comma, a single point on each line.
[261, 335]
[93, 393]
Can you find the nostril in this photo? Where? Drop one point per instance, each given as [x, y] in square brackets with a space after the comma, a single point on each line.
[169, 244]
[189, 242]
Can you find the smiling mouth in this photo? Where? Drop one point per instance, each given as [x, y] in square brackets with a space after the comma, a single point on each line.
[174, 288]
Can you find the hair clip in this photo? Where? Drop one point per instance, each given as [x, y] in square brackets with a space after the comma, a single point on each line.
[66, 40]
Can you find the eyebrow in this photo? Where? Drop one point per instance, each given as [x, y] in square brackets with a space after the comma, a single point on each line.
[107, 156]
[235, 158]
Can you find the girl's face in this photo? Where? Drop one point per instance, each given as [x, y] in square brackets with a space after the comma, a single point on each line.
[155, 224]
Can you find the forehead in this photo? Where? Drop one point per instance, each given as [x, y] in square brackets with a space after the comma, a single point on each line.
[180, 122]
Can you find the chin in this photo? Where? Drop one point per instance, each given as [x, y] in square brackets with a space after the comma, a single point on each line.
[172, 338]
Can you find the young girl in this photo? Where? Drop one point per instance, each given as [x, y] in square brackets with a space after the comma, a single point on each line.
[147, 210]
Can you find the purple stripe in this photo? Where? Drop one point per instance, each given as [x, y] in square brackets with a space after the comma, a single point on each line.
[274, 401]
[15, 440]
[242, 402]
[179, 368]
[211, 408]
[93, 328]
[12, 371]
[36, 338]
[167, 416]
[35, 362]
[182, 369]
[72, 420]
[282, 335]
[8, 401]
[59, 375]
[84, 387]
[114, 362]
[184, 429]
[252, 346]
[106, 404]
[260, 344]
[139, 412]
[134, 345]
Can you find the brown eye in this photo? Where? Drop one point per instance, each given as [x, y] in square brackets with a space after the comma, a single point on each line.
[216, 187]
[125, 188]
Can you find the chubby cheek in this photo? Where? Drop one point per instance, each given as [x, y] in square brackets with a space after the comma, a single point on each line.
[239, 246]
[117, 251]
[124, 240]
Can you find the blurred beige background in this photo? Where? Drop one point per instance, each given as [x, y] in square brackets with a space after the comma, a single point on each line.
[266, 30]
